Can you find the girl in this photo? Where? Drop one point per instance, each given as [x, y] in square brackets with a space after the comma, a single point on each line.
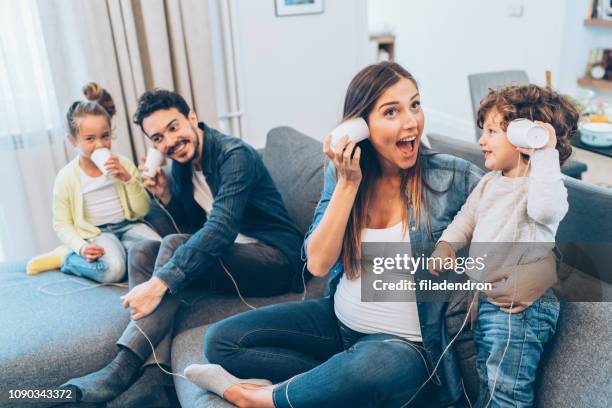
[518, 206]
[339, 350]
[98, 216]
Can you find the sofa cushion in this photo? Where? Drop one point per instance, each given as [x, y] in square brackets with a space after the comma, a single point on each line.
[53, 329]
[295, 162]
[575, 372]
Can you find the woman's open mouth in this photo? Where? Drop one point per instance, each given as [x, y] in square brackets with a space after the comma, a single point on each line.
[406, 145]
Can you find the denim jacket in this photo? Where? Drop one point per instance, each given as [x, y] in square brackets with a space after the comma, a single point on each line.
[448, 180]
[245, 200]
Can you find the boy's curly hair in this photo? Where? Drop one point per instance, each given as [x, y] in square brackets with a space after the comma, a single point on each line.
[534, 103]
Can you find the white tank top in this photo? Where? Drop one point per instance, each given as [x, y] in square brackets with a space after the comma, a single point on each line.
[396, 318]
[101, 203]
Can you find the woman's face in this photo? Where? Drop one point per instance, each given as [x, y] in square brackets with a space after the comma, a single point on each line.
[396, 125]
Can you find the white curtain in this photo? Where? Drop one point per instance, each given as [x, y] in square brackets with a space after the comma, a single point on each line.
[130, 46]
[31, 147]
[49, 50]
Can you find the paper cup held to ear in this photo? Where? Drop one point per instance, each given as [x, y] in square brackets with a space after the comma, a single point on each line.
[155, 158]
[525, 133]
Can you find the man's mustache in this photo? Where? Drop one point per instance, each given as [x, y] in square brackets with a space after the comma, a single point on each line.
[175, 146]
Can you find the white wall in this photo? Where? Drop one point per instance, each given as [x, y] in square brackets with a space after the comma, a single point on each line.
[443, 41]
[576, 43]
[295, 70]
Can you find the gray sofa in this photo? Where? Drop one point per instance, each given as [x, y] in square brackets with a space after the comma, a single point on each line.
[52, 329]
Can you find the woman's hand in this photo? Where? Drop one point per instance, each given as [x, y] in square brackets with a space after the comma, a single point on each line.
[519, 286]
[346, 162]
[552, 139]
[157, 185]
[91, 252]
[114, 168]
[443, 251]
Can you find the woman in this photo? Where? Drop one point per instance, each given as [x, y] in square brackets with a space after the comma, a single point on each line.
[340, 351]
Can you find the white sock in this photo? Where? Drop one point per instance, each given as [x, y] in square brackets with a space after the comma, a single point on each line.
[214, 378]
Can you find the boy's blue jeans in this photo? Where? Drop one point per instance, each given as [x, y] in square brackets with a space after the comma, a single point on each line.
[513, 373]
[116, 239]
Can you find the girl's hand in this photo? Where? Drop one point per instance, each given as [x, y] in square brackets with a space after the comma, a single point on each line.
[114, 168]
[552, 139]
[443, 251]
[345, 157]
[91, 252]
[157, 185]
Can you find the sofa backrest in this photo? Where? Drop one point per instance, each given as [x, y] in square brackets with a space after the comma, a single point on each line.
[295, 162]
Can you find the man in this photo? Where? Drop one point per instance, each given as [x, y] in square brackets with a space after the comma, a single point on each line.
[243, 238]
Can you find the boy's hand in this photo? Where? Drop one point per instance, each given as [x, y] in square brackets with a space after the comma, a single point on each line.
[552, 139]
[91, 252]
[157, 185]
[443, 251]
[114, 168]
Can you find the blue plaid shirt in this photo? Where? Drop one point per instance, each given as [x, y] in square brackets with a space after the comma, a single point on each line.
[245, 200]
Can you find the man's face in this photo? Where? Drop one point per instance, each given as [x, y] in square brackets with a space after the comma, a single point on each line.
[173, 134]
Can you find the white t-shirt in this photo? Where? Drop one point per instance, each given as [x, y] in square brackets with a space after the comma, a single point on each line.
[101, 203]
[203, 196]
[396, 318]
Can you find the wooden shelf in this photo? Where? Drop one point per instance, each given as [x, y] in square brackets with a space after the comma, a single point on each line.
[595, 83]
[598, 22]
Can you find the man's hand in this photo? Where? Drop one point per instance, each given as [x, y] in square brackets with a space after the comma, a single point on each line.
[552, 139]
[144, 298]
[91, 252]
[521, 285]
[157, 185]
[443, 251]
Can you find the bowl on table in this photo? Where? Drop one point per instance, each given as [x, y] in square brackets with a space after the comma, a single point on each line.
[596, 134]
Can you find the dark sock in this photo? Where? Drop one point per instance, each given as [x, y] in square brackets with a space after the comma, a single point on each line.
[152, 389]
[110, 381]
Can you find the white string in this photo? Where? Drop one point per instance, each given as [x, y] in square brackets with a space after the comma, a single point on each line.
[155, 356]
[236, 286]
[88, 286]
[163, 207]
[305, 293]
[433, 372]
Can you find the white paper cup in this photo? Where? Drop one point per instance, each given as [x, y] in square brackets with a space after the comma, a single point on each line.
[154, 159]
[356, 129]
[525, 133]
[100, 157]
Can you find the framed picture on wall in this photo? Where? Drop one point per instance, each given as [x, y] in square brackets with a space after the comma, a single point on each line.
[297, 7]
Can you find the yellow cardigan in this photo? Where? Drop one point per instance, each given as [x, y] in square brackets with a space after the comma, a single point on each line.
[68, 214]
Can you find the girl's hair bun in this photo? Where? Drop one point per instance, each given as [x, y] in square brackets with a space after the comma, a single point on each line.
[94, 92]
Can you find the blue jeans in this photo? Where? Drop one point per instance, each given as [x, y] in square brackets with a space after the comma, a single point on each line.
[316, 361]
[116, 239]
[516, 370]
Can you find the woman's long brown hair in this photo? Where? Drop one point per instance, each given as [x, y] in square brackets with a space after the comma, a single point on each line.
[363, 92]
